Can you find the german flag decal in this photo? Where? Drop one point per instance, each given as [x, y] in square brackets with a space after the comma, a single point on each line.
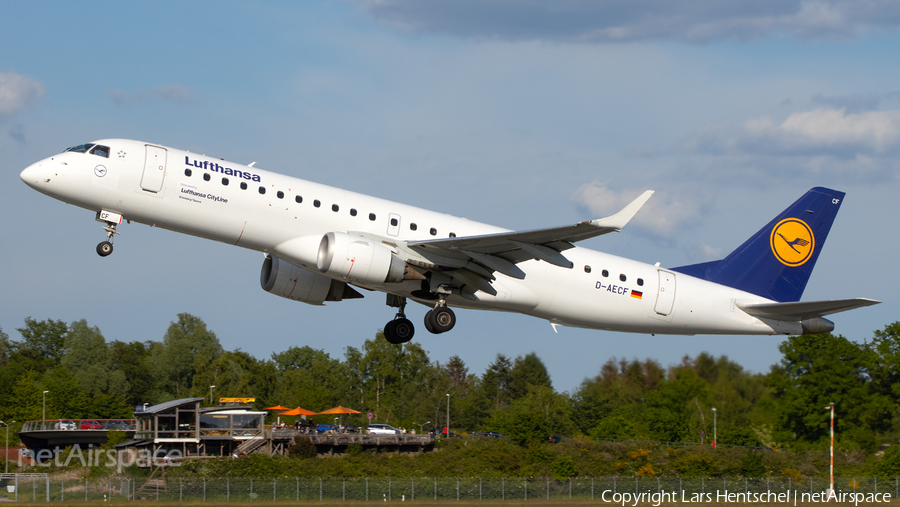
[637, 294]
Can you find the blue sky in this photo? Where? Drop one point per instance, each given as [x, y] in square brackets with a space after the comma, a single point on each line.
[521, 114]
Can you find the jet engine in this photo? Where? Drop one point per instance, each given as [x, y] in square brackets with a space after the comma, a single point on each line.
[357, 259]
[288, 281]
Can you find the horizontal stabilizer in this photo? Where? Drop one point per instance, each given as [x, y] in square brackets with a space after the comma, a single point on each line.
[795, 311]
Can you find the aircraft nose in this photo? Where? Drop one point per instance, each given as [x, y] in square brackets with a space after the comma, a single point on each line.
[32, 175]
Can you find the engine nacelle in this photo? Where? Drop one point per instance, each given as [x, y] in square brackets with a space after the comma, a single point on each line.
[288, 281]
[817, 325]
[357, 259]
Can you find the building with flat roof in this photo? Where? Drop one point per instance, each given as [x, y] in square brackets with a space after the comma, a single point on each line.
[183, 426]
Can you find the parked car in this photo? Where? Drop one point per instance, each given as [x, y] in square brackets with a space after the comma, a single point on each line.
[114, 424]
[90, 425]
[326, 427]
[555, 439]
[492, 434]
[383, 429]
[64, 425]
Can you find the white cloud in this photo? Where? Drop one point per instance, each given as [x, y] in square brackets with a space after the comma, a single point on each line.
[18, 92]
[167, 93]
[821, 131]
[623, 20]
[662, 214]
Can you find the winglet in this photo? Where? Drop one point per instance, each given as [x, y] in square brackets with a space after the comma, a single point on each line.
[621, 218]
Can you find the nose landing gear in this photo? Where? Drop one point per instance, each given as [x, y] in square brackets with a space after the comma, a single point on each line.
[111, 220]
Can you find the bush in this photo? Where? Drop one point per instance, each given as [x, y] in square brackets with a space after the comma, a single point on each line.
[302, 447]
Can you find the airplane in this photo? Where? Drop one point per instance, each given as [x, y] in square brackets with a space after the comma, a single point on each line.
[325, 244]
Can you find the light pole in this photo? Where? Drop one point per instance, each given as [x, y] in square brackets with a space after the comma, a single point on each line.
[448, 415]
[210, 395]
[715, 440]
[831, 466]
[423, 424]
[44, 407]
[5, 455]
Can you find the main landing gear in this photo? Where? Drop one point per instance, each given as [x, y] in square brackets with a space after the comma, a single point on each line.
[111, 220]
[438, 320]
[400, 330]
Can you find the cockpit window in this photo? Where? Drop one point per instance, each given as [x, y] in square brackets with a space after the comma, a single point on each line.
[95, 149]
[102, 151]
[81, 148]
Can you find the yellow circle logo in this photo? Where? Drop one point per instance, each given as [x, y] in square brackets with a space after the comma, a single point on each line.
[792, 242]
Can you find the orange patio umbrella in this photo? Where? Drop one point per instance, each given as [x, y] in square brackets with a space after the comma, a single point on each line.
[278, 407]
[339, 411]
[298, 411]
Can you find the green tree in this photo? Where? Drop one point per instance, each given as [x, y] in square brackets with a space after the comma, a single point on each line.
[236, 374]
[679, 410]
[132, 360]
[43, 343]
[187, 347]
[495, 382]
[88, 359]
[820, 369]
[5, 348]
[527, 371]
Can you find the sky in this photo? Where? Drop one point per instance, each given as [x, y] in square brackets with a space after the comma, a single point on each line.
[525, 114]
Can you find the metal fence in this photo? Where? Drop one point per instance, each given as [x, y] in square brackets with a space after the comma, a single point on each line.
[41, 488]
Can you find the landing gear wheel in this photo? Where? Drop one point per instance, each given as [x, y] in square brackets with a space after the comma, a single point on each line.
[105, 248]
[441, 320]
[428, 325]
[404, 330]
[399, 331]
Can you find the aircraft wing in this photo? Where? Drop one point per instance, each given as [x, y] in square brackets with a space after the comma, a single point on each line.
[805, 310]
[500, 252]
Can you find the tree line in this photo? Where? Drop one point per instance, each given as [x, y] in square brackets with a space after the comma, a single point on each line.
[90, 377]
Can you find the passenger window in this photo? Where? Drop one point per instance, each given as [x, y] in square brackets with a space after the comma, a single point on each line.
[352, 212]
[335, 208]
[640, 282]
[433, 231]
[187, 172]
[316, 203]
[101, 151]
[262, 190]
[622, 277]
[225, 181]
[452, 234]
[243, 185]
[587, 269]
[280, 194]
[605, 273]
[413, 226]
[394, 222]
[372, 216]
[298, 199]
[206, 177]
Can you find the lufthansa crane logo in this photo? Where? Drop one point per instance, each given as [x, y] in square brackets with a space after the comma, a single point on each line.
[792, 242]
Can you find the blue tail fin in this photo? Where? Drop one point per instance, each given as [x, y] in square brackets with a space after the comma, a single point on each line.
[777, 261]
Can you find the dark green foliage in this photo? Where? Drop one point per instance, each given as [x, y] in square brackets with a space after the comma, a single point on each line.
[302, 447]
[753, 464]
[641, 412]
[528, 429]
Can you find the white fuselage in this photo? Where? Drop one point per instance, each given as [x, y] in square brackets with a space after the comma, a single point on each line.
[601, 291]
